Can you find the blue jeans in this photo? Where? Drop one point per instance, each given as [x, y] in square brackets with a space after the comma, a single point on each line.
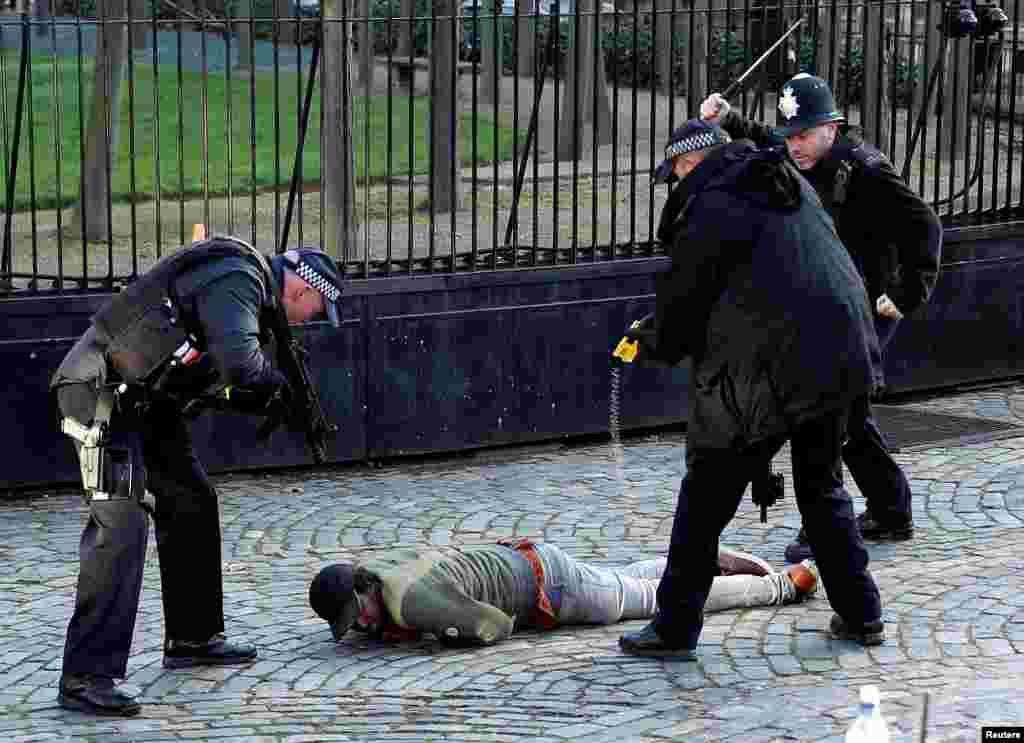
[591, 594]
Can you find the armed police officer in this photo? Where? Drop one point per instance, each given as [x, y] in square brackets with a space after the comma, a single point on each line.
[768, 304]
[195, 330]
[895, 239]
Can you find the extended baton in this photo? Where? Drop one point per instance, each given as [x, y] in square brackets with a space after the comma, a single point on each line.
[739, 81]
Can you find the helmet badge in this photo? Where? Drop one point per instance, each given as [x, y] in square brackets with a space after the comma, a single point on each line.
[787, 103]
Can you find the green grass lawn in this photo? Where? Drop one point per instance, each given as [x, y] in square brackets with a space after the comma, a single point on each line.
[166, 133]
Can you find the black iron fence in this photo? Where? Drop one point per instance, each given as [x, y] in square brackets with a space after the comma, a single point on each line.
[408, 136]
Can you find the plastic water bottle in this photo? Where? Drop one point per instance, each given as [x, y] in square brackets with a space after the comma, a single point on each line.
[869, 727]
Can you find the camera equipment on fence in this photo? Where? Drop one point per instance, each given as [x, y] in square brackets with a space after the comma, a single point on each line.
[766, 490]
[962, 18]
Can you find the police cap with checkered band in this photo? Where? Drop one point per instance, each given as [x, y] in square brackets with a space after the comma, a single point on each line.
[318, 270]
[805, 102]
[694, 135]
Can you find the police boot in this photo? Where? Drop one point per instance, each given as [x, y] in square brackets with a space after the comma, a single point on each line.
[799, 549]
[648, 642]
[216, 651]
[871, 633]
[96, 695]
[872, 528]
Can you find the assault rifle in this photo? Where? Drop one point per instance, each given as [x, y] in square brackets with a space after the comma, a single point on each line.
[303, 411]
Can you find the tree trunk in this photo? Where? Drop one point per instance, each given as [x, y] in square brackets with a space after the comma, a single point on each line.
[693, 33]
[664, 22]
[338, 167]
[491, 39]
[286, 29]
[585, 94]
[41, 12]
[139, 31]
[875, 112]
[101, 136]
[828, 41]
[526, 29]
[405, 29]
[446, 189]
[364, 42]
[245, 42]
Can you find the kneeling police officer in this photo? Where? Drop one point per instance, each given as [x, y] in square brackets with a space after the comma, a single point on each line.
[192, 329]
[894, 238]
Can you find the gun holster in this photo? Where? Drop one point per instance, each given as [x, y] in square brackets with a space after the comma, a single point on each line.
[93, 444]
[107, 471]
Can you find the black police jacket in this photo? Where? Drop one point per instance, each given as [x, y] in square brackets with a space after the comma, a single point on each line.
[893, 235]
[764, 297]
[214, 295]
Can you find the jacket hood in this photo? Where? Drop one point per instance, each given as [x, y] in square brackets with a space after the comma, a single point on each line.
[770, 180]
[764, 177]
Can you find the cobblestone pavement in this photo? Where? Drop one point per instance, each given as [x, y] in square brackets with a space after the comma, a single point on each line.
[954, 609]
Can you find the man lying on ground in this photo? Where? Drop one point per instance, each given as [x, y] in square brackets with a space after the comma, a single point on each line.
[480, 595]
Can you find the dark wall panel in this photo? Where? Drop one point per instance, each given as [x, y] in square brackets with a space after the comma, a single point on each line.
[442, 363]
[972, 329]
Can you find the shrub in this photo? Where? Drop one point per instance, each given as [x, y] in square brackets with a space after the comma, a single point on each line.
[902, 76]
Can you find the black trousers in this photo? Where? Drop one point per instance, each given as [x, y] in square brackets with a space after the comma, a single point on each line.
[112, 551]
[710, 493]
[866, 456]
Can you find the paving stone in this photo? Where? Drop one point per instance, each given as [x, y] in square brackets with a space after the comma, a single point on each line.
[953, 602]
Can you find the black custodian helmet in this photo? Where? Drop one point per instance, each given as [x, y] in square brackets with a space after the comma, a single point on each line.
[806, 101]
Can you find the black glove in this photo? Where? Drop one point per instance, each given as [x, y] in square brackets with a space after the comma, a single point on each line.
[281, 410]
[263, 399]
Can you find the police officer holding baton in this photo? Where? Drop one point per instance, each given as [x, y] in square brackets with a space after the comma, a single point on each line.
[894, 238]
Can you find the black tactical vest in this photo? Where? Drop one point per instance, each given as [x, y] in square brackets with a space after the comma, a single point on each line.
[142, 326]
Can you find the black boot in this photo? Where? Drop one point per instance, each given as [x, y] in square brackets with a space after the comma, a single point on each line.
[799, 549]
[96, 695]
[872, 528]
[214, 652]
[648, 642]
[872, 633]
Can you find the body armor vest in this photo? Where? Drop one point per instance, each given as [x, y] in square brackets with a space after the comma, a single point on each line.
[142, 326]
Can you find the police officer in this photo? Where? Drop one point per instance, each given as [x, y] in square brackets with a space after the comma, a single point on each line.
[770, 307]
[894, 237]
[192, 328]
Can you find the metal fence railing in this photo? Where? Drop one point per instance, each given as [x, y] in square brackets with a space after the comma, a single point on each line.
[492, 135]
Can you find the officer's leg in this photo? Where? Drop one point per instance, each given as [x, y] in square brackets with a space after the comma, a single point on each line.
[872, 467]
[187, 522]
[827, 513]
[876, 473]
[708, 498]
[112, 555]
[112, 551]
